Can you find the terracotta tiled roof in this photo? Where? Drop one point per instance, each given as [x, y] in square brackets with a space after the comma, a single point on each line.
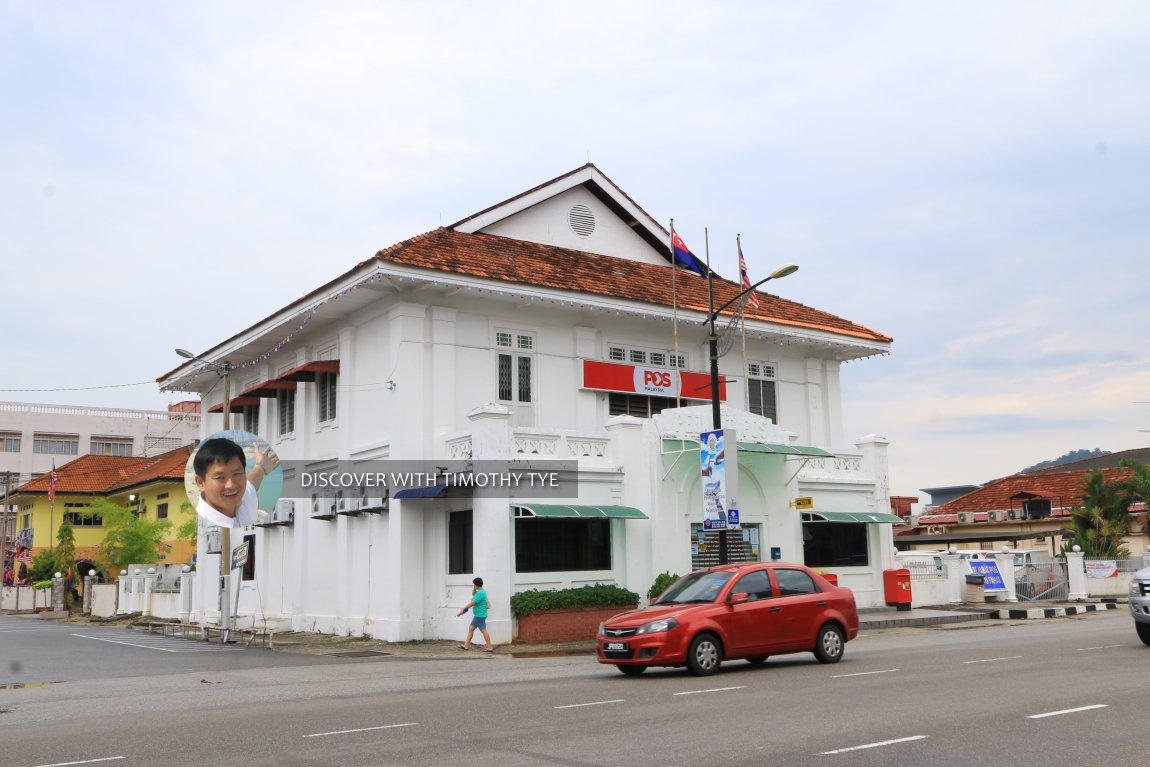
[1064, 490]
[108, 473]
[492, 257]
[170, 465]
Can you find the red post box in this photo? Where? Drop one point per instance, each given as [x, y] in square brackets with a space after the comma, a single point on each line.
[896, 585]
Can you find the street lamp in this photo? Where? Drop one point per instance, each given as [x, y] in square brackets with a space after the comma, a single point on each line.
[224, 370]
[713, 347]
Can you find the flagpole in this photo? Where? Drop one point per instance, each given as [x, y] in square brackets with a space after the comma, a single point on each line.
[52, 507]
[675, 313]
[743, 323]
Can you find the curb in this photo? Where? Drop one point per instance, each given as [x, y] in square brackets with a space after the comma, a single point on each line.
[933, 620]
[1038, 613]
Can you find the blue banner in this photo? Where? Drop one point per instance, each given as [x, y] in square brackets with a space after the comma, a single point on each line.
[988, 569]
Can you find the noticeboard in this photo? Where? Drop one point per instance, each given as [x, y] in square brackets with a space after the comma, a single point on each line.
[988, 569]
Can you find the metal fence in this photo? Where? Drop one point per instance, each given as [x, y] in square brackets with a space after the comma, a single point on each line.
[1125, 567]
[923, 569]
[1042, 581]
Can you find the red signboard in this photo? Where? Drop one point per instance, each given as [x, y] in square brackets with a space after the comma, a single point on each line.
[660, 382]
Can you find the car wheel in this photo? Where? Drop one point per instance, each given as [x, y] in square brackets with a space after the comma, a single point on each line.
[1143, 632]
[632, 670]
[705, 655]
[830, 644]
[758, 660]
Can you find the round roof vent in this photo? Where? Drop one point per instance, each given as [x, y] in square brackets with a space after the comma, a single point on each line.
[582, 220]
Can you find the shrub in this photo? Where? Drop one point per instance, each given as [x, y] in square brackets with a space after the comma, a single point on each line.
[41, 585]
[662, 582]
[599, 595]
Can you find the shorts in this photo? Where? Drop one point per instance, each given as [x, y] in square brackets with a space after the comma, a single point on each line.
[479, 623]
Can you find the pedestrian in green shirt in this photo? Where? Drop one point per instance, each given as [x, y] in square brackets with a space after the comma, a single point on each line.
[479, 617]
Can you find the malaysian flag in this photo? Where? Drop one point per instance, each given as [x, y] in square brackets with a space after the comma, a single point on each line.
[52, 484]
[746, 280]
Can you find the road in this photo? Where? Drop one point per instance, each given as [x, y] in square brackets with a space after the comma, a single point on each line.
[1065, 691]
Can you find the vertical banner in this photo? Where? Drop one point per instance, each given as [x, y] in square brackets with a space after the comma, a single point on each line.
[720, 475]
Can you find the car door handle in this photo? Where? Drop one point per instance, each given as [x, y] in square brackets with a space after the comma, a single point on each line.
[776, 609]
[822, 604]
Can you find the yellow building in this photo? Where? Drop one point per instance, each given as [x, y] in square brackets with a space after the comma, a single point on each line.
[151, 487]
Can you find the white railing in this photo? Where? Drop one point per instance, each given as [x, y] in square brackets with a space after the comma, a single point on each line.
[538, 443]
[552, 445]
[840, 466]
[101, 412]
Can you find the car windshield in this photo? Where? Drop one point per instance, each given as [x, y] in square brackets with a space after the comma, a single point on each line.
[696, 587]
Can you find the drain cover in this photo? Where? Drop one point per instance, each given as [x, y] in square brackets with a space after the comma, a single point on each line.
[356, 654]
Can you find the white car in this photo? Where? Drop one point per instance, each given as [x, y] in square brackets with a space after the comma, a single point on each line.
[1140, 603]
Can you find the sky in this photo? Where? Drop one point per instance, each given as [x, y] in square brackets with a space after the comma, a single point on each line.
[970, 178]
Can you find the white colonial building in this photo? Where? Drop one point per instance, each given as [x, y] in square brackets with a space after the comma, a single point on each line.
[523, 334]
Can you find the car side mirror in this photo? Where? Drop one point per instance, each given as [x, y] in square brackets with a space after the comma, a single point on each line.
[739, 598]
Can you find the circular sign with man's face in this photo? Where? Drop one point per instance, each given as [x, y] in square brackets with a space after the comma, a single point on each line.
[256, 452]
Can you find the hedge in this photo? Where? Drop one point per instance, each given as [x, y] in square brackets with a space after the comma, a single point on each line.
[599, 595]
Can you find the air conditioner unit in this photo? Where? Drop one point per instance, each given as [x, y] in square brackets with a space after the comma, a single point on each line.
[347, 504]
[284, 513]
[914, 519]
[1016, 514]
[996, 516]
[322, 508]
[965, 517]
[372, 504]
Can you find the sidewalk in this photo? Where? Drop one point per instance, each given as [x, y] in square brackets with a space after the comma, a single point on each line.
[869, 619]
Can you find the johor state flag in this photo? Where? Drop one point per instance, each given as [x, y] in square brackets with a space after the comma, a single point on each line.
[52, 484]
[751, 297]
[685, 256]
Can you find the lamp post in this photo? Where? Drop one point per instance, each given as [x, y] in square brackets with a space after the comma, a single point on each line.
[224, 370]
[713, 348]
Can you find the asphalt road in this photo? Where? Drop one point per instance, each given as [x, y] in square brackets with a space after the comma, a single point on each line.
[1067, 691]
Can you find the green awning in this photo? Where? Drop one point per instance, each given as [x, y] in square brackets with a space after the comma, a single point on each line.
[801, 450]
[867, 517]
[527, 511]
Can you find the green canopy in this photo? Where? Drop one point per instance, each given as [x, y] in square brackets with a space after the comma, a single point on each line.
[868, 517]
[529, 510]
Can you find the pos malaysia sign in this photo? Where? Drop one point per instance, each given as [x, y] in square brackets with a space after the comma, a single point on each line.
[657, 382]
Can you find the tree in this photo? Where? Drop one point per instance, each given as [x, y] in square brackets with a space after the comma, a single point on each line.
[1101, 521]
[66, 557]
[1136, 485]
[189, 530]
[129, 539]
[43, 566]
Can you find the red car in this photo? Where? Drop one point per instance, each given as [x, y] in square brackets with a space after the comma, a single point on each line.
[749, 611]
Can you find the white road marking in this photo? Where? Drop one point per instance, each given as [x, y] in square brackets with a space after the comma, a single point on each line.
[1100, 647]
[85, 761]
[717, 689]
[1068, 711]
[865, 673]
[874, 745]
[596, 703]
[174, 646]
[361, 729]
[993, 660]
[31, 628]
